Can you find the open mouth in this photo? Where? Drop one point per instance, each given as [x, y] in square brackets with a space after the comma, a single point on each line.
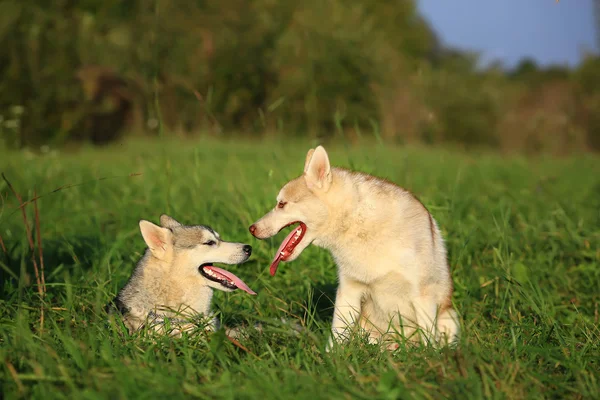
[288, 245]
[225, 278]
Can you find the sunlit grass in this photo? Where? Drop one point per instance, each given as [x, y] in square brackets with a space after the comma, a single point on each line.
[524, 247]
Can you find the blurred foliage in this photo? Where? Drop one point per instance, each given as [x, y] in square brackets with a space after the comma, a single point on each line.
[94, 70]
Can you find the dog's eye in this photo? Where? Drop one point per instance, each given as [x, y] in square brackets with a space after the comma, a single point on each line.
[210, 243]
[281, 204]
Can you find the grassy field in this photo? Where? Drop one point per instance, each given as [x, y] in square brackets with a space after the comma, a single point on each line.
[524, 248]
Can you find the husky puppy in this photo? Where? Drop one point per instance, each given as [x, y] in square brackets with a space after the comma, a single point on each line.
[393, 272]
[175, 278]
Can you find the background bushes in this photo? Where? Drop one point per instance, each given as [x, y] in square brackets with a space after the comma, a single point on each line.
[97, 70]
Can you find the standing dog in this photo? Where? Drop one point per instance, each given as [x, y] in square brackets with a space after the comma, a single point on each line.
[393, 271]
[175, 278]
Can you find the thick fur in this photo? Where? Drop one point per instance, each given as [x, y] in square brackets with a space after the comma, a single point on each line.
[394, 277]
[166, 283]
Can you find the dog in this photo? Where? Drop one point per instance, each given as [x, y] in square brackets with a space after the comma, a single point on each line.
[394, 277]
[172, 285]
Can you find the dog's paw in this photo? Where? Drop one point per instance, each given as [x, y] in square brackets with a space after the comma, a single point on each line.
[334, 340]
[329, 346]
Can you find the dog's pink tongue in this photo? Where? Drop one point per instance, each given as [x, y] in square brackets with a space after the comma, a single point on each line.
[275, 264]
[278, 255]
[237, 281]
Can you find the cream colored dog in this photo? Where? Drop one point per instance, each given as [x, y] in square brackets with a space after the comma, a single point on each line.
[394, 277]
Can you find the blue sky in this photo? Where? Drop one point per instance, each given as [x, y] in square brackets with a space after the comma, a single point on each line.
[508, 30]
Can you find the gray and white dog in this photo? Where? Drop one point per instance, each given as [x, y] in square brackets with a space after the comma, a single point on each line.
[175, 278]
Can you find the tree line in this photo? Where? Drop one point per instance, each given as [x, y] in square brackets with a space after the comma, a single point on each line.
[97, 70]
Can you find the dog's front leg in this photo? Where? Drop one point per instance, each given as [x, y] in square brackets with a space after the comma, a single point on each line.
[212, 323]
[347, 309]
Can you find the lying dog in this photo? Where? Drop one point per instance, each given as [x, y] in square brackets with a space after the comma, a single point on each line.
[175, 278]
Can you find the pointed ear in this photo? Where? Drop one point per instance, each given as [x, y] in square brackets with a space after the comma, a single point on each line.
[168, 222]
[158, 239]
[318, 170]
[308, 158]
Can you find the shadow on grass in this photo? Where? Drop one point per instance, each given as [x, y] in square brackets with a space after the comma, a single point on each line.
[74, 255]
[322, 301]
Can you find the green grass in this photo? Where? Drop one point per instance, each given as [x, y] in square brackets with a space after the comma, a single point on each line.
[524, 247]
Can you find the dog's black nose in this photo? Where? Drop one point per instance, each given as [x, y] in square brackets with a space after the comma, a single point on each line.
[247, 249]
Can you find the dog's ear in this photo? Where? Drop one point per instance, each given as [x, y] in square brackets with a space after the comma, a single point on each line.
[168, 222]
[159, 240]
[308, 158]
[318, 171]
